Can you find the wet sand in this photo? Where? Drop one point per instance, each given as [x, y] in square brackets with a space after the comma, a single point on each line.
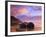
[37, 27]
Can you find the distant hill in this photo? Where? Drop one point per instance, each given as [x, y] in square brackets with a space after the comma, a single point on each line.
[24, 17]
[36, 18]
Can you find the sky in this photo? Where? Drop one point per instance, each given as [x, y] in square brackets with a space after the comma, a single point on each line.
[18, 10]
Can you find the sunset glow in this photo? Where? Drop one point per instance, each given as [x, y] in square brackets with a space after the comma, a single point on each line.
[22, 14]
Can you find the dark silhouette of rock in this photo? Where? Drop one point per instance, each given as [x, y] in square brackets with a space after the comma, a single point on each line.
[22, 27]
[30, 26]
